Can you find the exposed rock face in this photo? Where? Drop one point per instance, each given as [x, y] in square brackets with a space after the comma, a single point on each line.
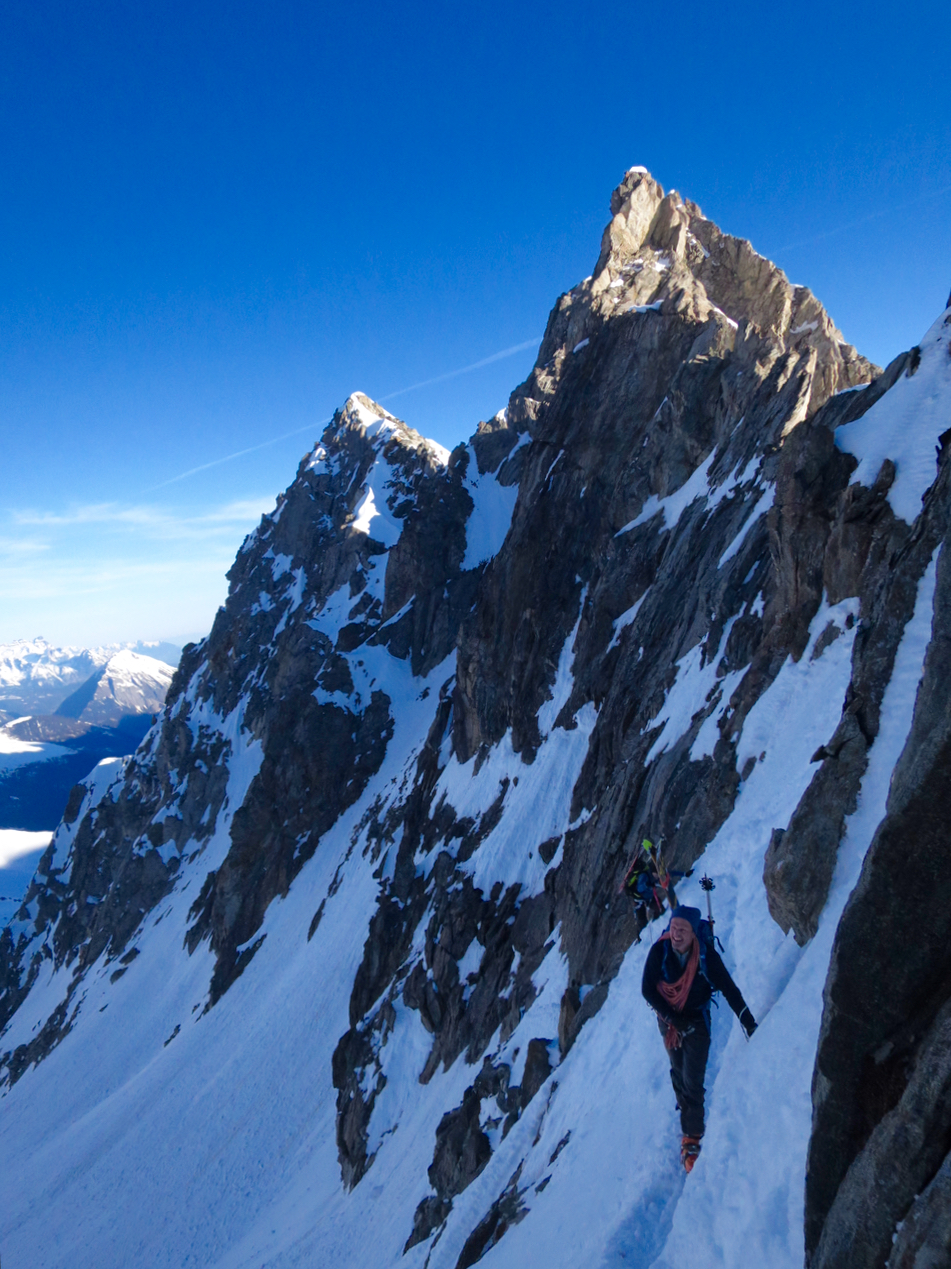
[882, 1128]
[925, 1234]
[482, 678]
[313, 749]
[840, 539]
[902, 1156]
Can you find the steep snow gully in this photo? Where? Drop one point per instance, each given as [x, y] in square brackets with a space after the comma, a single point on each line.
[334, 969]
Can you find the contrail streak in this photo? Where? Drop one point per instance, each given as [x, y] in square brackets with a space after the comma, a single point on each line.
[426, 383]
[464, 370]
[216, 462]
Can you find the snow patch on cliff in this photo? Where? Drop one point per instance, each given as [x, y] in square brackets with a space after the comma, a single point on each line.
[697, 486]
[492, 507]
[905, 425]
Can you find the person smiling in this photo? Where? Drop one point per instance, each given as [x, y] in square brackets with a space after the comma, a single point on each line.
[681, 974]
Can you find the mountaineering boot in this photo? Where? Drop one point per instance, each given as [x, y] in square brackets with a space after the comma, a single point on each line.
[689, 1150]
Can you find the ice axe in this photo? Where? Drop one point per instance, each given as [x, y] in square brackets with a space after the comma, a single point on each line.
[707, 885]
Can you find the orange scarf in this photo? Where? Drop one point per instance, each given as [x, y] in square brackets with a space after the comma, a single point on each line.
[676, 993]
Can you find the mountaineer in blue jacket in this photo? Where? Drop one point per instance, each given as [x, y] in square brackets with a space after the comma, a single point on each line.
[682, 971]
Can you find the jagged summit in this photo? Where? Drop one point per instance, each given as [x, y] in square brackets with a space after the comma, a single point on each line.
[653, 233]
[354, 903]
[662, 259]
[360, 416]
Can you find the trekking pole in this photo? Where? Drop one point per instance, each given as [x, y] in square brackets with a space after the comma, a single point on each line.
[706, 885]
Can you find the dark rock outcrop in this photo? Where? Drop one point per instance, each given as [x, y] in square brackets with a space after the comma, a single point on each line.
[881, 1058]
[837, 539]
[925, 1234]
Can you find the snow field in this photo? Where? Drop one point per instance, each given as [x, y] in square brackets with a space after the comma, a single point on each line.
[249, 1098]
[615, 1194]
[697, 485]
[537, 800]
[748, 1194]
[686, 697]
[20, 852]
[616, 1185]
[254, 1149]
[493, 507]
[904, 425]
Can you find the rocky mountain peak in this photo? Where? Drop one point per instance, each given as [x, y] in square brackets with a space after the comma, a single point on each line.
[683, 587]
[98, 685]
[370, 421]
[128, 683]
[661, 258]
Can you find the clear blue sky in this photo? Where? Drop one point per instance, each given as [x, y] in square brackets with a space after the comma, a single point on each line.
[219, 219]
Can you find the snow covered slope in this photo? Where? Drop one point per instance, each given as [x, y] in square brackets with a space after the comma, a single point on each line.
[335, 970]
[36, 677]
[20, 852]
[127, 683]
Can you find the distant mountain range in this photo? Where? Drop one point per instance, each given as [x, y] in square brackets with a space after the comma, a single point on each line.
[38, 678]
[62, 710]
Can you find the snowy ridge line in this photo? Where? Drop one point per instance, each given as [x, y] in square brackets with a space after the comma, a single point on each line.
[208, 728]
[60, 694]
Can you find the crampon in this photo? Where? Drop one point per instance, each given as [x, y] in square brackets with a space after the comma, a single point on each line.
[689, 1152]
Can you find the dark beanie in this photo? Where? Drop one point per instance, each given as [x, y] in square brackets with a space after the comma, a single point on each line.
[693, 915]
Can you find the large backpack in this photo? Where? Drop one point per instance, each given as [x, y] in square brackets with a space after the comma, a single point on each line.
[705, 937]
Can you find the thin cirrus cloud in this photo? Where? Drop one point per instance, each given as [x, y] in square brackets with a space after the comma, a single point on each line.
[464, 370]
[18, 547]
[130, 552]
[151, 521]
[851, 225]
[98, 572]
[252, 449]
[94, 579]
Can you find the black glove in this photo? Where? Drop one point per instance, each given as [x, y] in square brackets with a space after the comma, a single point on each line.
[747, 1021]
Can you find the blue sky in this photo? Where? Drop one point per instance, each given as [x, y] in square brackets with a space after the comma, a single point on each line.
[220, 219]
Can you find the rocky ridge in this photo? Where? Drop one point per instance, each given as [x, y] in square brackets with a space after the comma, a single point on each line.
[474, 681]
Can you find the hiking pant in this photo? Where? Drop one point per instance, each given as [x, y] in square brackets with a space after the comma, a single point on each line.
[688, 1065]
